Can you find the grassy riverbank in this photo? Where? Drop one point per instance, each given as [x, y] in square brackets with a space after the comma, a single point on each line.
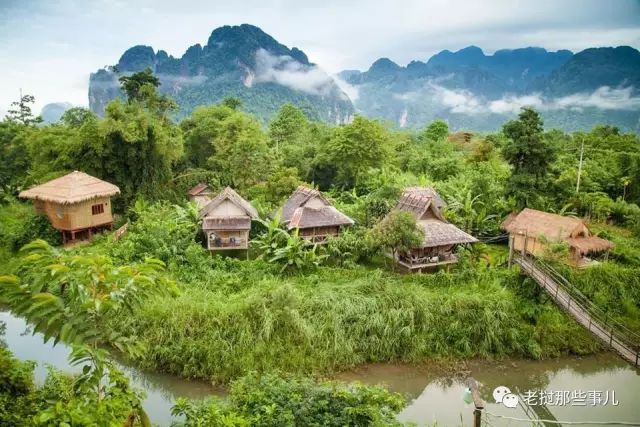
[233, 316]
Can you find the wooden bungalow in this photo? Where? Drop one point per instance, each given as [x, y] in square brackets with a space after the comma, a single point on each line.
[310, 212]
[77, 204]
[226, 221]
[440, 236]
[530, 231]
[201, 194]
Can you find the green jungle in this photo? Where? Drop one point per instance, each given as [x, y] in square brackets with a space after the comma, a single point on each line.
[273, 324]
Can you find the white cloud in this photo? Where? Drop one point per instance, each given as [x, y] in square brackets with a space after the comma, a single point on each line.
[513, 104]
[604, 98]
[350, 90]
[288, 72]
[458, 101]
[466, 102]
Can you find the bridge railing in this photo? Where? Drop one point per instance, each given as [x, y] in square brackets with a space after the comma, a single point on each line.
[598, 319]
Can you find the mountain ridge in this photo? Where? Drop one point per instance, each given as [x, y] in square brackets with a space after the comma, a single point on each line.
[467, 87]
[241, 61]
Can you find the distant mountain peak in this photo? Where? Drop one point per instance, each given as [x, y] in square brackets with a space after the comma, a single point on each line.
[241, 61]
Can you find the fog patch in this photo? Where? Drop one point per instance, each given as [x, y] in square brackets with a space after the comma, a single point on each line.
[288, 72]
[351, 91]
[466, 102]
[172, 80]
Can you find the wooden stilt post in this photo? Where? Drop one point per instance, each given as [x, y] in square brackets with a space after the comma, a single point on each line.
[478, 403]
[511, 242]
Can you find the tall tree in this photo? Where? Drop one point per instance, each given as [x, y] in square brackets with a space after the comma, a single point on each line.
[241, 154]
[357, 147]
[529, 154]
[132, 85]
[436, 131]
[201, 131]
[20, 111]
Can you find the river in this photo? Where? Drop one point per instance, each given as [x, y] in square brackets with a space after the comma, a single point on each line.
[571, 385]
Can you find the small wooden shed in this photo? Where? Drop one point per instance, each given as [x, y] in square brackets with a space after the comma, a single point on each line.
[310, 212]
[226, 221]
[77, 204]
[440, 236]
[531, 230]
[201, 194]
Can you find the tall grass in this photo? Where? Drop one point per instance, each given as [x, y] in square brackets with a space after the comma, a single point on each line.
[339, 318]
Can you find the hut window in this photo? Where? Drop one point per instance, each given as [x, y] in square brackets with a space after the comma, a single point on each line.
[59, 212]
[97, 209]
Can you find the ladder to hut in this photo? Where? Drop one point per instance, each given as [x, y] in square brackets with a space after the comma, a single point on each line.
[613, 334]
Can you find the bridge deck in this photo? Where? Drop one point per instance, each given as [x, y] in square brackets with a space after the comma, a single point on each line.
[606, 333]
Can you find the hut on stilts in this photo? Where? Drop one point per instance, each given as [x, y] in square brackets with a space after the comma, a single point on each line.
[226, 221]
[440, 236]
[77, 204]
[532, 231]
[313, 215]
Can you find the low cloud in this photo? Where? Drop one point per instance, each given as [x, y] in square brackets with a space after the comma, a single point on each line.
[285, 71]
[465, 102]
[458, 101]
[168, 79]
[350, 90]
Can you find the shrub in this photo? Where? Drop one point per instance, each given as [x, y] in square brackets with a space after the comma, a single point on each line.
[271, 400]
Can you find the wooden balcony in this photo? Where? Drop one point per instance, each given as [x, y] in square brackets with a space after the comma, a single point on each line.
[426, 263]
[229, 243]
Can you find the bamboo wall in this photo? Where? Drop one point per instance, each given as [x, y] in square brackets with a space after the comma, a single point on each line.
[76, 216]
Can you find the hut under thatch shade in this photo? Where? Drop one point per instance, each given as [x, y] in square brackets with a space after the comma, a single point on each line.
[310, 212]
[201, 194]
[440, 236]
[77, 204]
[530, 231]
[226, 221]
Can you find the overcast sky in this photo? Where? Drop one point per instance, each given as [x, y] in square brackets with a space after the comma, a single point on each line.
[49, 47]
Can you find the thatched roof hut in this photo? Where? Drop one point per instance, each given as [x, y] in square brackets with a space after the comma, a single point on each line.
[531, 224]
[226, 221]
[230, 194]
[308, 208]
[72, 188]
[423, 203]
[310, 212]
[77, 204]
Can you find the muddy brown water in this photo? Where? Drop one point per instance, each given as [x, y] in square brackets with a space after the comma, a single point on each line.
[435, 394]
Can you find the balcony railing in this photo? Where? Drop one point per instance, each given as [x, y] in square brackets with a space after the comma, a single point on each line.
[227, 243]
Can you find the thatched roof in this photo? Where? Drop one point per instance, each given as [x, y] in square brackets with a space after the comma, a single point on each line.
[297, 212]
[299, 197]
[418, 201]
[229, 194]
[442, 233]
[200, 188]
[74, 187]
[585, 245]
[227, 223]
[534, 223]
[327, 216]
[427, 192]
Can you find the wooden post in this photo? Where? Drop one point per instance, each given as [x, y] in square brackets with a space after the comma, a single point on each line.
[511, 242]
[478, 403]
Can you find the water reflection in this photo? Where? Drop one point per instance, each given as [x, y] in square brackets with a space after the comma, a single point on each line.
[435, 393]
[161, 389]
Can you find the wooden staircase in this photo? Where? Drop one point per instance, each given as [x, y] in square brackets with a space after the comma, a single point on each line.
[620, 339]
